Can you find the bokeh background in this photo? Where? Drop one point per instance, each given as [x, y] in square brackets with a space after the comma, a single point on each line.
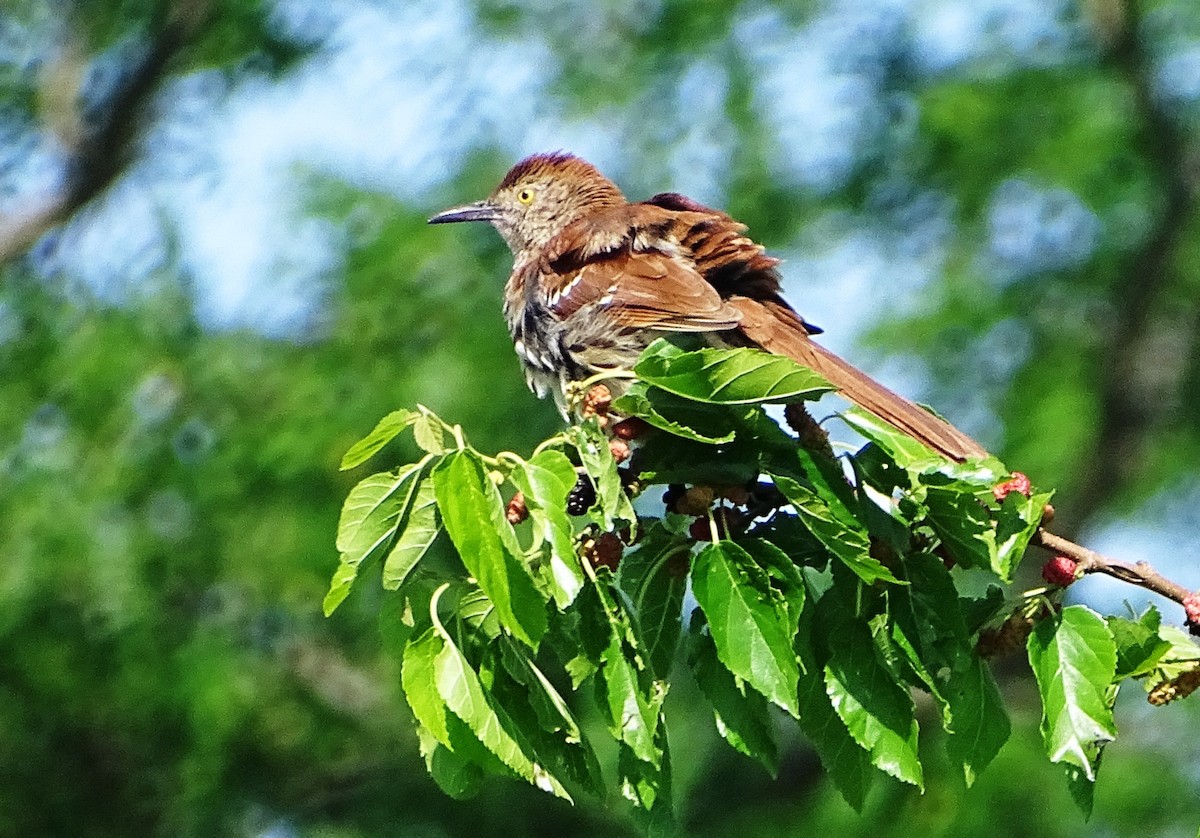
[216, 275]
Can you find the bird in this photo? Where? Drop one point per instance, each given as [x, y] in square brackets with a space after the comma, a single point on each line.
[597, 278]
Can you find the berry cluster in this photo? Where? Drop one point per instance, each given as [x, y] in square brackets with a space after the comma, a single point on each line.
[596, 403]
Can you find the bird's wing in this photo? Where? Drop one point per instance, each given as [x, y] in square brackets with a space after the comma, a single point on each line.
[633, 273]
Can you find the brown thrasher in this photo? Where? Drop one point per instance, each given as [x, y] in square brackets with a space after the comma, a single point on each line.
[596, 279]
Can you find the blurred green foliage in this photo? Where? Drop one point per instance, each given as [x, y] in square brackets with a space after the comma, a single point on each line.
[168, 494]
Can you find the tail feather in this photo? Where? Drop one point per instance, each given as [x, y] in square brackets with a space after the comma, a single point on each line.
[776, 328]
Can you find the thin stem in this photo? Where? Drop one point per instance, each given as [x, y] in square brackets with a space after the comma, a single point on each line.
[1140, 574]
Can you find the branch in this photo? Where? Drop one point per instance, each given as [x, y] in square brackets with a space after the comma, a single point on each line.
[1140, 574]
[101, 155]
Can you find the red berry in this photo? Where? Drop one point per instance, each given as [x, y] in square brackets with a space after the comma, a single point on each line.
[606, 551]
[631, 428]
[619, 449]
[1017, 483]
[700, 530]
[1060, 571]
[1191, 606]
[516, 511]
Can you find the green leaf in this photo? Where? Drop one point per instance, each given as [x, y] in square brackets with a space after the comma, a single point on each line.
[743, 715]
[783, 574]
[477, 611]
[545, 481]
[417, 678]
[417, 531]
[979, 610]
[1074, 660]
[981, 725]
[1139, 645]
[1181, 656]
[728, 376]
[454, 774]
[670, 459]
[965, 526]
[1083, 790]
[373, 508]
[749, 620]
[630, 697]
[370, 517]
[905, 451]
[429, 432]
[654, 576]
[848, 764]
[339, 587]
[928, 626]
[611, 500]
[459, 686]
[388, 428]
[472, 512]
[841, 534]
[877, 711]
[542, 714]
[648, 785]
[1016, 522]
[658, 406]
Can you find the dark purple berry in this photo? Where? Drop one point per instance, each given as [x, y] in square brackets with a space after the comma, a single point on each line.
[582, 496]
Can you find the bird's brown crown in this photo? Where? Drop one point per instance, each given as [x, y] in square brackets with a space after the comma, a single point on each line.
[544, 193]
[554, 164]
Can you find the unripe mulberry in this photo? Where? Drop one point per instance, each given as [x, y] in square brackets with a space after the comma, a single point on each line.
[1018, 483]
[516, 512]
[1061, 570]
[619, 449]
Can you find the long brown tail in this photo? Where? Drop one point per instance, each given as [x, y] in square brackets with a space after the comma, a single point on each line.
[776, 328]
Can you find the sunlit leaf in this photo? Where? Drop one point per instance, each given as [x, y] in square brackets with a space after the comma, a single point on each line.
[471, 511]
[841, 534]
[611, 501]
[728, 376]
[388, 428]
[458, 685]
[749, 621]
[545, 481]
[1139, 645]
[876, 710]
[1074, 660]
[417, 531]
[677, 416]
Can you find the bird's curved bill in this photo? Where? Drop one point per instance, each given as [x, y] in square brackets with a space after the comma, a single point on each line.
[478, 211]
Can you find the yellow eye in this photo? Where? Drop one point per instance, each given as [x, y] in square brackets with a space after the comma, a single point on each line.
[525, 196]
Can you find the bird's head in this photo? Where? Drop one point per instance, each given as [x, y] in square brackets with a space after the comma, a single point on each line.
[538, 198]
